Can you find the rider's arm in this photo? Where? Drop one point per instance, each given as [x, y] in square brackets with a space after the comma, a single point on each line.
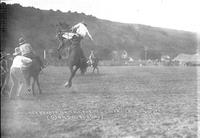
[87, 32]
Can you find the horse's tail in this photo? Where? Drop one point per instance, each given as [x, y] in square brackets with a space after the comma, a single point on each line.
[83, 65]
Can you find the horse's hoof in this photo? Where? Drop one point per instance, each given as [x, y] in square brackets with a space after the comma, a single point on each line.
[68, 85]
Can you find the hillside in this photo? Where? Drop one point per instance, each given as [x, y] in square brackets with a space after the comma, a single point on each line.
[39, 28]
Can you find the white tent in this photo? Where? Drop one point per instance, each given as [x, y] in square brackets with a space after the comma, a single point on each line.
[184, 58]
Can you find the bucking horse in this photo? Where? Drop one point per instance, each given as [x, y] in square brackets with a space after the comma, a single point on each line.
[76, 57]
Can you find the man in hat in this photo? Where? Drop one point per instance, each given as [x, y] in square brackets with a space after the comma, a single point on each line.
[19, 63]
[26, 48]
[27, 51]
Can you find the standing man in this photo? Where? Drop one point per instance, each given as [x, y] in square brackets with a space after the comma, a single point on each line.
[19, 63]
[61, 40]
[26, 48]
[91, 57]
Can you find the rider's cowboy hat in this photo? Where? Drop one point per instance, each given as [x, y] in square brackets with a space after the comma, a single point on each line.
[21, 41]
[17, 51]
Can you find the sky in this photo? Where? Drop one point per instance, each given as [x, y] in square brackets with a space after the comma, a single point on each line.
[173, 14]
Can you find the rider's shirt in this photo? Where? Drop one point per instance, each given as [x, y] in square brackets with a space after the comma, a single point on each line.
[82, 30]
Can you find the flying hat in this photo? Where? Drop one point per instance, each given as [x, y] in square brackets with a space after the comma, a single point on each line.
[17, 51]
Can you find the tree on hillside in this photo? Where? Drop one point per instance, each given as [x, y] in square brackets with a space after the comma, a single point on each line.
[150, 54]
[104, 54]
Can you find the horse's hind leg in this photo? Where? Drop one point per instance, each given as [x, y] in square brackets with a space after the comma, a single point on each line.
[27, 80]
[73, 72]
[33, 85]
[38, 85]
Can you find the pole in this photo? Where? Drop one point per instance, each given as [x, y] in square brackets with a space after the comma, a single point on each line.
[44, 54]
[145, 53]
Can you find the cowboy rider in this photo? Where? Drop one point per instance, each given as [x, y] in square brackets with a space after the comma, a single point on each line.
[81, 30]
[78, 32]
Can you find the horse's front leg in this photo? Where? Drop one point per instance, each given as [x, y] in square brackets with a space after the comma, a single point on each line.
[28, 83]
[93, 69]
[97, 68]
[27, 78]
[72, 74]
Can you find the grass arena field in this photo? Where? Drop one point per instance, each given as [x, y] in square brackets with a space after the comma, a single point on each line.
[124, 102]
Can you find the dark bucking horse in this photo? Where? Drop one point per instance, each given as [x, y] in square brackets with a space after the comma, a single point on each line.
[76, 59]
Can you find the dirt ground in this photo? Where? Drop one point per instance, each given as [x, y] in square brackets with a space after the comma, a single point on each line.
[124, 102]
